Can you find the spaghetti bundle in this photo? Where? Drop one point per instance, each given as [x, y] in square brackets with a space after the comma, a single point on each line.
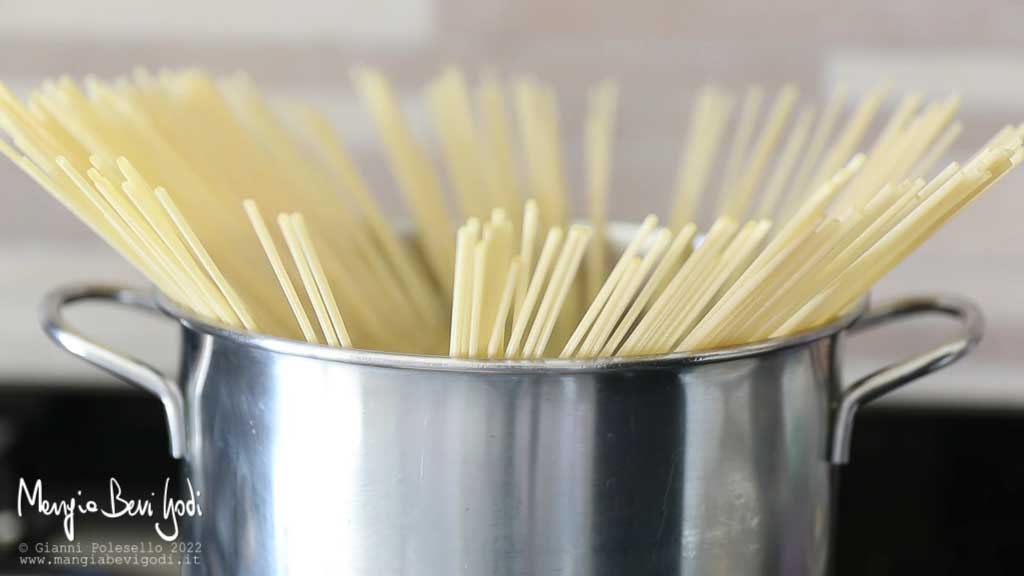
[179, 172]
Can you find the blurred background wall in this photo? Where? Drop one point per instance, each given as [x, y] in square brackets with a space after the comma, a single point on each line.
[660, 51]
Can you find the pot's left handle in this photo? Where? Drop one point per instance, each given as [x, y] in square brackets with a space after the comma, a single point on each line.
[125, 367]
[881, 382]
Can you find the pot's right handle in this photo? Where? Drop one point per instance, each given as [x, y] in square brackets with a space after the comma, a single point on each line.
[888, 379]
[125, 367]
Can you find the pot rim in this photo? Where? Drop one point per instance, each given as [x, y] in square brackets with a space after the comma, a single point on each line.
[448, 364]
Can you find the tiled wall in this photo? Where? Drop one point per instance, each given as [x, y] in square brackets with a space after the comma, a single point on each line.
[659, 50]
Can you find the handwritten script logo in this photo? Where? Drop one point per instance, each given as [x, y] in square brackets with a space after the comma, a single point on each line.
[117, 506]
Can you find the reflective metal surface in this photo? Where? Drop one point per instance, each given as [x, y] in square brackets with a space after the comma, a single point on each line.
[322, 461]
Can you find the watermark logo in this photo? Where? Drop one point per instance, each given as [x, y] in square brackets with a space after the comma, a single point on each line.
[106, 554]
[168, 510]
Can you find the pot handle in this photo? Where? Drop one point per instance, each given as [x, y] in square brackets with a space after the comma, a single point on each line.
[124, 367]
[887, 379]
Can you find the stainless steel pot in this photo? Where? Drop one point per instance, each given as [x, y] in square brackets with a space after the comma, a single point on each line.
[313, 460]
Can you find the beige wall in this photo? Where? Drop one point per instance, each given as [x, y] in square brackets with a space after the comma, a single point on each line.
[659, 50]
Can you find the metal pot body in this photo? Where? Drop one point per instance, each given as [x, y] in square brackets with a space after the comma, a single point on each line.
[311, 461]
[310, 466]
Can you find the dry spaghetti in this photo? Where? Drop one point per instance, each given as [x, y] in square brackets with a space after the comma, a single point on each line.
[175, 170]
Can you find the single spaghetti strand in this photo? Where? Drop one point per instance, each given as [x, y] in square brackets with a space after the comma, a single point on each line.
[497, 341]
[580, 235]
[458, 293]
[537, 115]
[548, 302]
[496, 128]
[522, 320]
[449, 106]
[462, 300]
[598, 138]
[284, 223]
[787, 159]
[528, 245]
[323, 286]
[740, 142]
[481, 255]
[499, 235]
[606, 290]
[708, 120]
[267, 242]
[615, 305]
[801, 187]
[554, 171]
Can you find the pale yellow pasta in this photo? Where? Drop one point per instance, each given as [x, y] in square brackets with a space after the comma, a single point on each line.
[173, 168]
